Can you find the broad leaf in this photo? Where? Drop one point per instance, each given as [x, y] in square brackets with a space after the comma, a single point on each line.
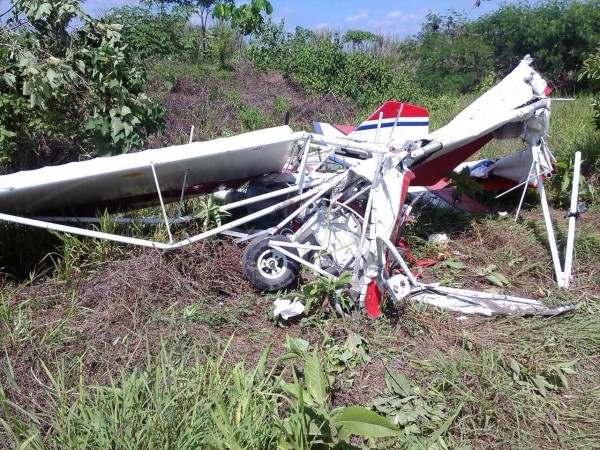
[454, 264]
[363, 422]
[316, 381]
[497, 279]
[43, 10]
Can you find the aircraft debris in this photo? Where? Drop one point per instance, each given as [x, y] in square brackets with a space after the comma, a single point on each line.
[337, 201]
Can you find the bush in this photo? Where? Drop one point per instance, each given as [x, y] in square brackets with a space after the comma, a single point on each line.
[69, 94]
[591, 73]
[320, 65]
[449, 58]
[162, 35]
[558, 34]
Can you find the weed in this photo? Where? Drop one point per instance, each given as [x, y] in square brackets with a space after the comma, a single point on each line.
[422, 415]
[339, 357]
[251, 119]
[209, 213]
[309, 421]
[463, 184]
[281, 105]
[189, 401]
[489, 273]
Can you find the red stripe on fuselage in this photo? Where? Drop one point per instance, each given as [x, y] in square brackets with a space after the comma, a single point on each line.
[432, 170]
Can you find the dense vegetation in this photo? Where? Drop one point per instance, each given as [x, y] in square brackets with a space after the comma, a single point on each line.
[108, 347]
[67, 92]
[73, 86]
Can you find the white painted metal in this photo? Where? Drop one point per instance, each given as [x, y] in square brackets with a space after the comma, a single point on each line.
[378, 129]
[130, 176]
[572, 221]
[185, 174]
[483, 303]
[306, 151]
[162, 204]
[384, 243]
[550, 232]
[141, 220]
[269, 195]
[320, 192]
[276, 245]
[154, 244]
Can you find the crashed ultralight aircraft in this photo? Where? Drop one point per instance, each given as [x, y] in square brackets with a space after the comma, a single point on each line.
[329, 220]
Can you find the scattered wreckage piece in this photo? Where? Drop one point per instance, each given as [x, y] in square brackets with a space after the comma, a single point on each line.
[331, 220]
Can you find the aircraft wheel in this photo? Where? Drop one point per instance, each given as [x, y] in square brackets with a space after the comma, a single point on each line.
[266, 268]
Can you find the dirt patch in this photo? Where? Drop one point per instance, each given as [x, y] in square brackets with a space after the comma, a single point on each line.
[219, 103]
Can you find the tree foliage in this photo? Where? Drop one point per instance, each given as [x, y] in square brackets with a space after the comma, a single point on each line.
[68, 92]
[320, 65]
[448, 58]
[152, 34]
[235, 22]
[247, 18]
[361, 40]
[558, 34]
[591, 72]
[453, 53]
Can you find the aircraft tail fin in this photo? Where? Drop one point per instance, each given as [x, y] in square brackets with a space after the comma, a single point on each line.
[399, 122]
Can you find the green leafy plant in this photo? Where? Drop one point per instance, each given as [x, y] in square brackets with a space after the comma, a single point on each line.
[360, 40]
[209, 213]
[354, 351]
[248, 17]
[561, 183]
[552, 379]
[251, 119]
[463, 184]
[326, 292]
[321, 65]
[423, 414]
[489, 273]
[57, 78]
[156, 34]
[309, 421]
[591, 72]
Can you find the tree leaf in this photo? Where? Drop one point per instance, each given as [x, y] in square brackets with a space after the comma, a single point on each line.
[10, 79]
[497, 278]
[297, 345]
[127, 129]
[117, 126]
[566, 181]
[398, 384]
[42, 10]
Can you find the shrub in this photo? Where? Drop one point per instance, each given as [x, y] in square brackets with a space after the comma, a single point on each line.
[66, 92]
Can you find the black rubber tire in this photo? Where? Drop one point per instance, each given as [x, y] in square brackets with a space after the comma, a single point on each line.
[259, 257]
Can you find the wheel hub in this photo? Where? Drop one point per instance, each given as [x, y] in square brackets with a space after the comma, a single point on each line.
[272, 264]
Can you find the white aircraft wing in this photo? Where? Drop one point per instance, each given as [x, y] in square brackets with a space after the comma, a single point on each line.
[127, 181]
[502, 112]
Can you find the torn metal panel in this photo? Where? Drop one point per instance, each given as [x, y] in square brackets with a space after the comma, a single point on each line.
[483, 303]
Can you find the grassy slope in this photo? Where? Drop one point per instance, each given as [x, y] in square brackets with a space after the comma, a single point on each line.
[156, 325]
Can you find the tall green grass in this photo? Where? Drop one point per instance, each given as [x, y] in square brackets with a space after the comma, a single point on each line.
[174, 401]
[186, 401]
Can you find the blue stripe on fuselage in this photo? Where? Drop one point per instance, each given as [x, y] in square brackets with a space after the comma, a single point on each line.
[391, 124]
